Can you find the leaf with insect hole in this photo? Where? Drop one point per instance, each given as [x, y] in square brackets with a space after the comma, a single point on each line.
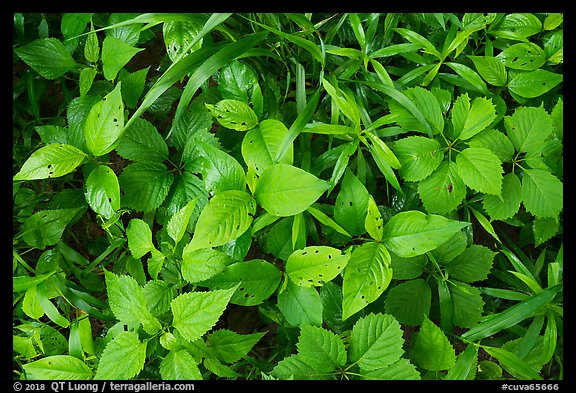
[53, 160]
[105, 123]
[234, 114]
[315, 265]
[103, 191]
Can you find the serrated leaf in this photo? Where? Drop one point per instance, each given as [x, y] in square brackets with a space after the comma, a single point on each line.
[45, 228]
[115, 55]
[409, 301]
[418, 156]
[179, 365]
[366, 277]
[412, 233]
[256, 279]
[47, 56]
[507, 204]
[514, 364]
[128, 302]
[496, 142]
[142, 142]
[542, 193]
[238, 81]
[234, 114]
[315, 265]
[400, 370]
[139, 237]
[526, 56]
[230, 346]
[295, 367]
[491, 69]
[145, 185]
[105, 123]
[480, 169]
[427, 104]
[86, 79]
[178, 223]
[103, 191]
[544, 228]
[472, 265]
[376, 342]
[178, 34]
[323, 350]
[123, 357]
[57, 367]
[468, 304]
[202, 264]
[53, 160]
[300, 305]
[158, 296]
[285, 190]
[226, 216]
[469, 119]
[195, 313]
[528, 128]
[443, 190]
[432, 350]
[262, 143]
[533, 84]
[351, 206]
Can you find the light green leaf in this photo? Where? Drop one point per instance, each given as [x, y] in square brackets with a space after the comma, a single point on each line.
[195, 313]
[470, 76]
[139, 238]
[367, 275]
[178, 35]
[528, 128]
[472, 265]
[465, 366]
[178, 223]
[256, 279]
[376, 342]
[418, 156]
[432, 350]
[105, 123]
[145, 185]
[351, 205]
[505, 205]
[444, 190]
[374, 221]
[234, 114]
[468, 120]
[230, 346]
[412, 233]
[491, 69]
[103, 191]
[542, 193]
[179, 365]
[553, 20]
[57, 367]
[86, 79]
[295, 367]
[202, 264]
[47, 56]
[400, 370]
[544, 228]
[285, 190]
[315, 265]
[526, 56]
[323, 350]
[115, 55]
[324, 219]
[142, 142]
[123, 357]
[409, 301]
[481, 170]
[300, 305]
[262, 143]
[226, 216]
[53, 160]
[533, 84]
[495, 141]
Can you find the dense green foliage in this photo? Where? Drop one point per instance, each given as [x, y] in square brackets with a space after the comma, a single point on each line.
[288, 196]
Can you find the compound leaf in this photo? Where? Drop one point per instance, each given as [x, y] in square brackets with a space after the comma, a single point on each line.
[444, 190]
[472, 265]
[419, 157]
[505, 205]
[528, 128]
[469, 119]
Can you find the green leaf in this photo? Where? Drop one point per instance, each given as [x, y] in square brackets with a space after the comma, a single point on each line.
[544, 228]
[467, 302]
[324, 219]
[285, 190]
[315, 265]
[230, 346]
[468, 120]
[472, 265]
[295, 367]
[145, 185]
[123, 357]
[351, 206]
[105, 123]
[542, 193]
[323, 350]
[63, 367]
[202, 264]
[528, 128]
[480, 169]
[409, 301]
[53, 160]
[465, 366]
[178, 35]
[444, 190]
[47, 56]
[526, 56]
[256, 279]
[128, 302]
[300, 305]
[195, 313]
[513, 363]
[495, 141]
[46, 227]
[238, 81]
[469, 76]
[92, 47]
[412, 233]
[400, 370]
[142, 142]
[426, 103]
[376, 342]
[226, 216]
[234, 114]
[139, 237]
[533, 84]
[86, 79]
[490, 68]
[521, 24]
[103, 191]
[508, 202]
[553, 20]
[179, 365]
[115, 55]
[262, 143]
[374, 221]
[178, 223]
[418, 156]
[432, 350]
